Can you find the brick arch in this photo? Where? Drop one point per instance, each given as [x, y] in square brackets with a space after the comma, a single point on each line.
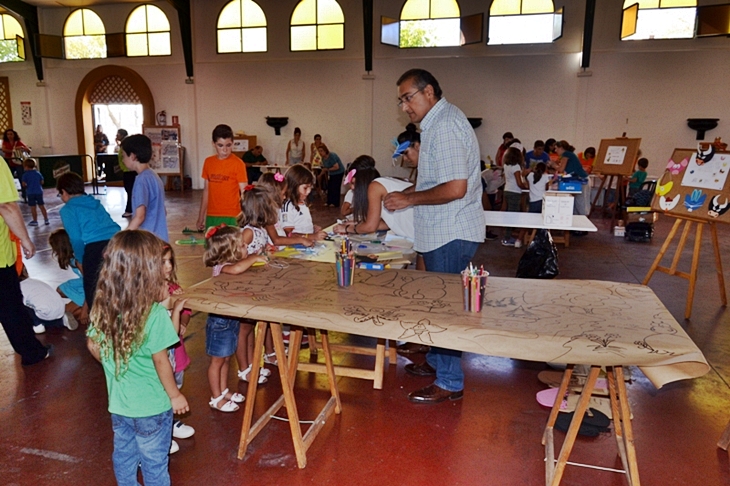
[96, 78]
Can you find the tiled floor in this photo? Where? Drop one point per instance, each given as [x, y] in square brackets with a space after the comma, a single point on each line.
[56, 430]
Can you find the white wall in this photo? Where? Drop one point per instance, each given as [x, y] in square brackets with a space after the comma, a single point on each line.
[645, 88]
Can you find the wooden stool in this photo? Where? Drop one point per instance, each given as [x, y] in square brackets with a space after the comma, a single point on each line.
[376, 374]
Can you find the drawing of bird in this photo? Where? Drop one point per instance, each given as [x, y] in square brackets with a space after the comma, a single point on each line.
[663, 190]
[668, 203]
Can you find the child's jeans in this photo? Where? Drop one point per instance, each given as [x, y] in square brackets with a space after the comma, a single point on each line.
[144, 440]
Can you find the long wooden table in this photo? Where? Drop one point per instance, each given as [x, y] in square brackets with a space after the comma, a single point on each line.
[587, 322]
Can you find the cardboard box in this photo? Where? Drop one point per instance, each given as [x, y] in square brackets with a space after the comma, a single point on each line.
[557, 209]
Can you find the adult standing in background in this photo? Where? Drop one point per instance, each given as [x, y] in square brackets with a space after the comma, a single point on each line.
[251, 158]
[335, 169]
[569, 164]
[128, 175]
[295, 149]
[13, 315]
[448, 214]
[11, 144]
[101, 141]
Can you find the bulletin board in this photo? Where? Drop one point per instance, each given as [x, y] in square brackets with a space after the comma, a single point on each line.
[695, 185]
[617, 156]
[166, 149]
[243, 143]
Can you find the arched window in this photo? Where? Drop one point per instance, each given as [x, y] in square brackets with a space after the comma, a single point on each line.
[431, 23]
[148, 32]
[317, 25]
[84, 36]
[658, 19]
[242, 27]
[524, 22]
[12, 48]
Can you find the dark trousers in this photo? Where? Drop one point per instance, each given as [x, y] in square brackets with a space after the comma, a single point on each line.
[333, 189]
[93, 258]
[16, 321]
[17, 171]
[128, 178]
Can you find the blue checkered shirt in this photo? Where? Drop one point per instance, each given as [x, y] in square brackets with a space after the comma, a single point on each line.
[449, 151]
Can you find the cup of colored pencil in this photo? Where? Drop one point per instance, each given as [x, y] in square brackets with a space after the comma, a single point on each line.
[474, 282]
[345, 264]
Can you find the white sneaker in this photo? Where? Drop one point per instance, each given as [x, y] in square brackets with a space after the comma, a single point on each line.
[181, 431]
[39, 329]
[70, 322]
[174, 447]
[518, 243]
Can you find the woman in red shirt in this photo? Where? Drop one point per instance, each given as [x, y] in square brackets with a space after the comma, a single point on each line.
[11, 143]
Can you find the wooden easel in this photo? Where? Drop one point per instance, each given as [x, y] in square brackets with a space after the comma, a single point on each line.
[621, 418]
[287, 373]
[692, 275]
[619, 200]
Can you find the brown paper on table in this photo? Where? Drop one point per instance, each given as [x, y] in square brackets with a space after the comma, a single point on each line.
[566, 321]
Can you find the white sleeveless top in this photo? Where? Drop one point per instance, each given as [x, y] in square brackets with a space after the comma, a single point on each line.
[400, 222]
[295, 150]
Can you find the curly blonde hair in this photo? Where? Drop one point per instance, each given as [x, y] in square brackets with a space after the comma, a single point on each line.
[131, 280]
[223, 246]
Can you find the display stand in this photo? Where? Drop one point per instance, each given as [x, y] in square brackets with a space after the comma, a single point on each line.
[615, 161]
[692, 275]
[167, 151]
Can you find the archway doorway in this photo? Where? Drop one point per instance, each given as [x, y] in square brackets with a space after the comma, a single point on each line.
[110, 86]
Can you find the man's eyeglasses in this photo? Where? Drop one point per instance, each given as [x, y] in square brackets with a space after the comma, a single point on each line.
[407, 98]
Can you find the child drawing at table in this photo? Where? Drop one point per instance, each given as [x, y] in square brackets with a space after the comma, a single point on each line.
[514, 183]
[538, 182]
[294, 216]
[129, 335]
[177, 354]
[226, 252]
[275, 182]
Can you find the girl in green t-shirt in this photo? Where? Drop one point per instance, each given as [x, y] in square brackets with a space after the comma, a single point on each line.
[129, 334]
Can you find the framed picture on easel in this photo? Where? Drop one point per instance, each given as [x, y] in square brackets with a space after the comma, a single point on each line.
[617, 156]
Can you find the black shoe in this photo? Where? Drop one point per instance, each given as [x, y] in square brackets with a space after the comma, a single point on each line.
[434, 394]
[423, 369]
[490, 236]
[49, 348]
[579, 233]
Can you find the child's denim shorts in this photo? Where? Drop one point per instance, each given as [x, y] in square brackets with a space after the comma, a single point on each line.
[221, 336]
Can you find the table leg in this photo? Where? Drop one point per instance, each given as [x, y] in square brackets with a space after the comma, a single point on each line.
[625, 417]
[572, 433]
[247, 434]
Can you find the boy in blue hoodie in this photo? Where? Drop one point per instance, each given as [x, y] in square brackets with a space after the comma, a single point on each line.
[89, 228]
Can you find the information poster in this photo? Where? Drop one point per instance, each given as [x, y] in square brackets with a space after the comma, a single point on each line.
[166, 153]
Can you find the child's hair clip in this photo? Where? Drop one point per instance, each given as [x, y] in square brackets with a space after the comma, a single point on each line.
[248, 187]
[350, 175]
[279, 177]
[214, 229]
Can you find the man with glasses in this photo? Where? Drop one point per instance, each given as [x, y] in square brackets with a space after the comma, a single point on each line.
[448, 214]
